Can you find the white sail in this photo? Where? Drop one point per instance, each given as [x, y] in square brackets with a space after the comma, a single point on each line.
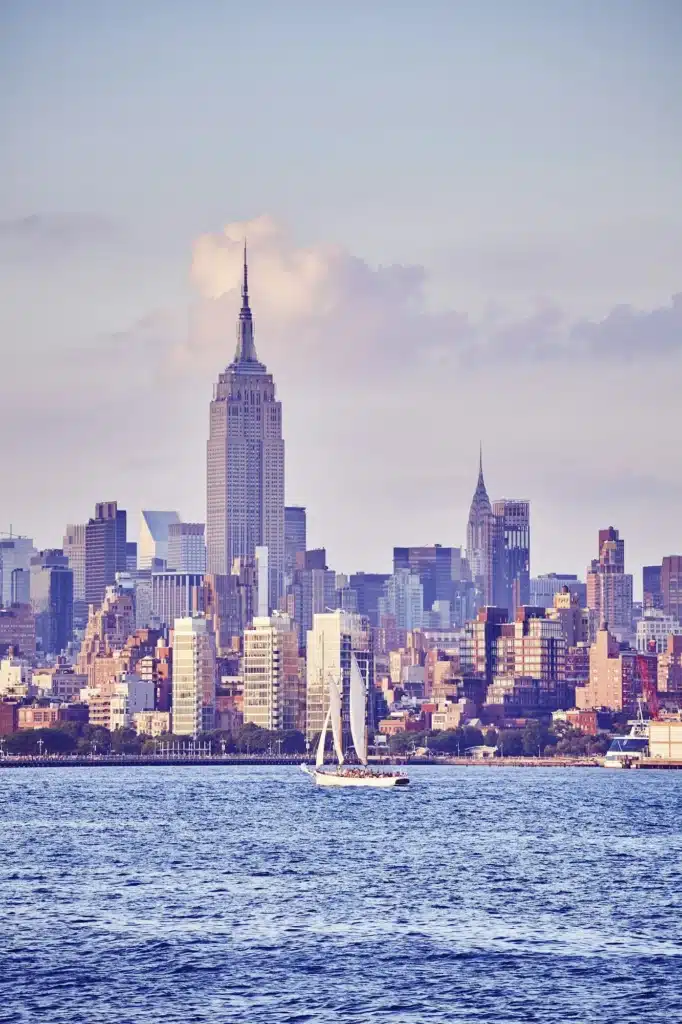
[335, 711]
[319, 760]
[358, 710]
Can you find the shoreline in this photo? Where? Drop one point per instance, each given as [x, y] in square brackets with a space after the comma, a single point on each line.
[236, 760]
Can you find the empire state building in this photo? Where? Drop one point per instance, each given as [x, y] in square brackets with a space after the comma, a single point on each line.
[245, 461]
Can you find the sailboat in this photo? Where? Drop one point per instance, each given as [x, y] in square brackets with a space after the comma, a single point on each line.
[350, 775]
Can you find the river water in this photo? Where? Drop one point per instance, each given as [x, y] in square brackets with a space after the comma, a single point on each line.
[226, 894]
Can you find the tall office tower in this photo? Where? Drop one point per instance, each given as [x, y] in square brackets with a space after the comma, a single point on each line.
[609, 587]
[511, 554]
[294, 536]
[369, 586]
[74, 549]
[671, 586]
[105, 550]
[18, 630]
[186, 549]
[152, 545]
[52, 600]
[15, 555]
[437, 567]
[194, 676]
[175, 595]
[334, 636]
[274, 693]
[403, 599]
[544, 588]
[651, 586]
[131, 557]
[245, 454]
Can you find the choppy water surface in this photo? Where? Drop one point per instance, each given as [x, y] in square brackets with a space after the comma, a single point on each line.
[246, 895]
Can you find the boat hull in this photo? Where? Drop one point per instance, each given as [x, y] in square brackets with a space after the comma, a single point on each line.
[374, 781]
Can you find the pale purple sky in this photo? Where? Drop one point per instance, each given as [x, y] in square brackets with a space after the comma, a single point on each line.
[466, 223]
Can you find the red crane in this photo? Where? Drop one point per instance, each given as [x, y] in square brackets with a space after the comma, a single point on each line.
[647, 671]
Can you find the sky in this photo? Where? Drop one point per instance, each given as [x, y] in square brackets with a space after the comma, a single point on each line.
[464, 223]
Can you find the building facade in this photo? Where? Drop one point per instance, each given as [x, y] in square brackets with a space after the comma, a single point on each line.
[609, 587]
[52, 600]
[245, 472]
[335, 636]
[186, 551]
[152, 547]
[671, 586]
[194, 676]
[295, 530]
[274, 693]
[105, 550]
[175, 595]
[511, 554]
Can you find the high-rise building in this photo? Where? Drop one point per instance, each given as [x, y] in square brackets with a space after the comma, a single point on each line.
[74, 549]
[15, 557]
[609, 587]
[437, 567]
[671, 586]
[105, 550]
[152, 546]
[511, 554]
[194, 676]
[480, 532]
[18, 630]
[403, 599]
[245, 473]
[330, 643]
[312, 591]
[651, 586]
[274, 693]
[186, 548]
[543, 589]
[617, 676]
[294, 536]
[369, 586]
[175, 595]
[52, 600]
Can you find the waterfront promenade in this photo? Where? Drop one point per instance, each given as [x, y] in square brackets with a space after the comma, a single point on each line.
[129, 760]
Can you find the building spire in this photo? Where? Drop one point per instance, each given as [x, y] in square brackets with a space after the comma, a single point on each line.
[246, 349]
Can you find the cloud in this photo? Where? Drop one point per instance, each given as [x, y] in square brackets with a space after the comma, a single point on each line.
[322, 303]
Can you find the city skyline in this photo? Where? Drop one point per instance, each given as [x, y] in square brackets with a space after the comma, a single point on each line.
[436, 281]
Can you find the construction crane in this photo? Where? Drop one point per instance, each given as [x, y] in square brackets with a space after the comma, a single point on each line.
[647, 674]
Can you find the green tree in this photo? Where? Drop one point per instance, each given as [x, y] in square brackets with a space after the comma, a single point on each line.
[510, 742]
[490, 738]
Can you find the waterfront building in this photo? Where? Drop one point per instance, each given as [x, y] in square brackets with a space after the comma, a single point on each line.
[152, 547]
[245, 473]
[651, 587]
[544, 588]
[274, 692]
[15, 563]
[480, 535]
[52, 600]
[186, 549]
[330, 643]
[175, 595]
[478, 646]
[671, 586]
[105, 550]
[403, 599]
[194, 676]
[609, 587]
[152, 723]
[15, 677]
[18, 630]
[129, 696]
[59, 681]
[511, 554]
